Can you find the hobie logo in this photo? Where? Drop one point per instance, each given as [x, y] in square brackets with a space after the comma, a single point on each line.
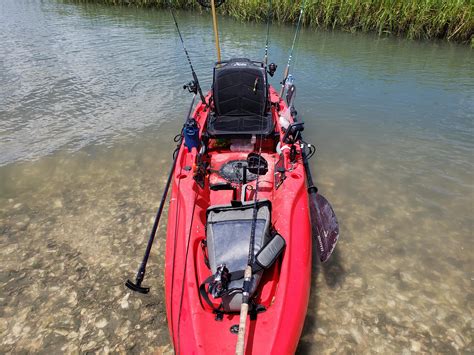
[320, 243]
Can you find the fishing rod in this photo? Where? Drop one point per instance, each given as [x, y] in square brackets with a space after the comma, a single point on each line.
[248, 273]
[137, 285]
[269, 15]
[324, 225]
[290, 57]
[272, 67]
[195, 78]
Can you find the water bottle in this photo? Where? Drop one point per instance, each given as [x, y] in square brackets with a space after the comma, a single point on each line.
[290, 90]
[191, 134]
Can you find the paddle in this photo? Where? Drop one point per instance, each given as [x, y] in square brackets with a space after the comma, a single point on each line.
[324, 225]
[137, 285]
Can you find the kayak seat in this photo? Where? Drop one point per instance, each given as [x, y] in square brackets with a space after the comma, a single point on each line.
[240, 96]
[228, 238]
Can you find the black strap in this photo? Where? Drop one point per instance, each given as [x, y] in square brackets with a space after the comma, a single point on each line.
[205, 294]
[204, 252]
[219, 312]
[236, 275]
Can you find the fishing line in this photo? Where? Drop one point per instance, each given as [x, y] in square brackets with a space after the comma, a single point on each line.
[297, 53]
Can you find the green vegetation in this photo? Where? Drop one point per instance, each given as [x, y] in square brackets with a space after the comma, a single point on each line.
[415, 19]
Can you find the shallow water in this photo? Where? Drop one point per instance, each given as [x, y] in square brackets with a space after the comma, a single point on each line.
[90, 99]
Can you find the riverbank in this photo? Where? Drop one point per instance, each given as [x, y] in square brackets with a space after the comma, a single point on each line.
[452, 20]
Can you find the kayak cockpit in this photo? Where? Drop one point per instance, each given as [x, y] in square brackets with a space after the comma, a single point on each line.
[229, 215]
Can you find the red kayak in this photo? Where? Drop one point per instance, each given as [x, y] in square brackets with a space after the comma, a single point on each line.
[242, 135]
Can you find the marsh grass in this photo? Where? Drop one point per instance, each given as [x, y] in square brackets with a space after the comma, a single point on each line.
[416, 19]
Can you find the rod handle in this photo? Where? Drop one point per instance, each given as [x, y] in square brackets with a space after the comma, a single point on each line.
[216, 30]
[239, 350]
[244, 309]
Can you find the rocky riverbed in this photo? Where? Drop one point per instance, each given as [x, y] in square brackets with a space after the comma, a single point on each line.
[76, 228]
[67, 246]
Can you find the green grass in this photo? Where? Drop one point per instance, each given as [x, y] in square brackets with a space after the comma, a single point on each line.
[416, 19]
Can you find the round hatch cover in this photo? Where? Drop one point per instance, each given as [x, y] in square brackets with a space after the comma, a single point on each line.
[233, 171]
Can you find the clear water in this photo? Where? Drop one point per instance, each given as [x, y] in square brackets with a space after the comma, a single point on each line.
[90, 99]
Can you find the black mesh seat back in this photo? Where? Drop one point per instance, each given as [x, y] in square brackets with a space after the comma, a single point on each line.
[240, 88]
[228, 238]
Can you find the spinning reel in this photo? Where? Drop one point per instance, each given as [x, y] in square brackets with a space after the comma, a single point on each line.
[191, 86]
[272, 67]
[219, 286]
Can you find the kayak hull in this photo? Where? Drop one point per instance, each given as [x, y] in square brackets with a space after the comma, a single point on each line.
[284, 288]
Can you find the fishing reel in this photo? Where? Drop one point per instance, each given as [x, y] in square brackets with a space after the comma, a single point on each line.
[220, 284]
[207, 3]
[191, 86]
[272, 67]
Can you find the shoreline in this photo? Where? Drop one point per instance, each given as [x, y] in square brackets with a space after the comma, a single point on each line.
[452, 21]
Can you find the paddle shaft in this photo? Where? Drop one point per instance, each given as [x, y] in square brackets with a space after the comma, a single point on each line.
[313, 190]
[142, 269]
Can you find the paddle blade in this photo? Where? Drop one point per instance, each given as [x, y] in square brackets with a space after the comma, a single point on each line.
[324, 225]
